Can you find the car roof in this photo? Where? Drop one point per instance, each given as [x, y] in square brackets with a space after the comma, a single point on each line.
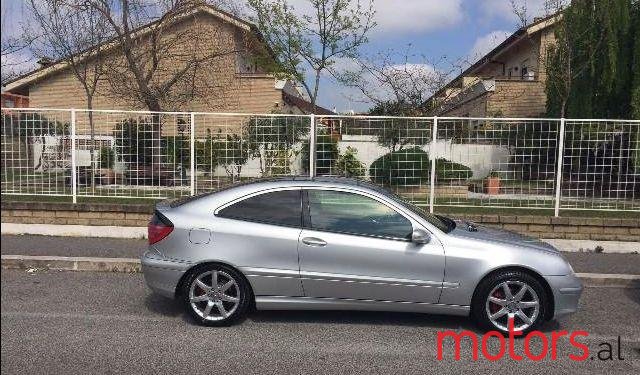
[311, 181]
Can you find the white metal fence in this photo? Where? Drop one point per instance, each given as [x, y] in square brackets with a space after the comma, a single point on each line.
[466, 162]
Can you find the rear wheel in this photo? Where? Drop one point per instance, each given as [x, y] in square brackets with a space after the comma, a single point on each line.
[216, 295]
[510, 295]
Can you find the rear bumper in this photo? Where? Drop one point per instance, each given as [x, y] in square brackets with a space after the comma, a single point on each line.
[566, 293]
[161, 275]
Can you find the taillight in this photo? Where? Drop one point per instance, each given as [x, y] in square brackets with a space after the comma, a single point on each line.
[159, 228]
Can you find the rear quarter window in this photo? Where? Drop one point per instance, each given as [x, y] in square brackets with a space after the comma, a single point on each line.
[282, 208]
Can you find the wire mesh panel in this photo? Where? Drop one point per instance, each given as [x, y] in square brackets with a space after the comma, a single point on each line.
[235, 148]
[601, 165]
[36, 152]
[391, 152]
[133, 154]
[478, 162]
[496, 162]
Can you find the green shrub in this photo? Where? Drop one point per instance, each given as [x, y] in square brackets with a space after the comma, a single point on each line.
[447, 170]
[349, 165]
[206, 155]
[176, 150]
[271, 140]
[232, 153]
[400, 168]
[412, 167]
[327, 154]
[137, 141]
[107, 157]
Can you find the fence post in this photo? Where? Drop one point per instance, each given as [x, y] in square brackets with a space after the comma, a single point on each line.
[312, 147]
[74, 177]
[432, 152]
[192, 157]
[560, 161]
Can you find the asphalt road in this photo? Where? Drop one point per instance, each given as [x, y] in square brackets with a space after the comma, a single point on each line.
[130, 248]
[63, 322]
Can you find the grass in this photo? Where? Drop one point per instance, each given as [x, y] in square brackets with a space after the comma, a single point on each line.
[516, 211]
[535, 212]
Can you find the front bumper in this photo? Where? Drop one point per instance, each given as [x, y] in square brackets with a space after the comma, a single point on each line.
[566, 293]
[161, 275]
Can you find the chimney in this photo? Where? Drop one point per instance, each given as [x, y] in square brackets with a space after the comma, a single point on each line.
[45, 62]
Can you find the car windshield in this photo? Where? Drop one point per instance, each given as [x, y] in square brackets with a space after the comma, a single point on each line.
[444, 224]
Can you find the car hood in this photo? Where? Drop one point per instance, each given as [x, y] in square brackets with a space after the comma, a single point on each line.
[473, 231]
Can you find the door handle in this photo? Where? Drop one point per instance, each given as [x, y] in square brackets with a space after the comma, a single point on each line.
[312, 241]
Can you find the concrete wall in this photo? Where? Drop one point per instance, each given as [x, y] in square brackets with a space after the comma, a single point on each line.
[517, 99]
[509, 98]
[481, 159]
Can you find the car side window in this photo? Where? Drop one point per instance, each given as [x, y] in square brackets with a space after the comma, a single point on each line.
[342, 212]
[277, 208]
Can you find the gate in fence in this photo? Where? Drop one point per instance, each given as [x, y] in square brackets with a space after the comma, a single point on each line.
[466, 162]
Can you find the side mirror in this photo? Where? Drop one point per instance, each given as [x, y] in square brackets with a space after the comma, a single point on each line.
[420, 236]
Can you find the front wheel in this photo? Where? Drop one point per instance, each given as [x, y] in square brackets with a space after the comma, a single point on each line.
[510, 295]
[216, 295]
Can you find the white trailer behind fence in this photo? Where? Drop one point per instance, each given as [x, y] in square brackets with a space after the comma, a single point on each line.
[465, 162]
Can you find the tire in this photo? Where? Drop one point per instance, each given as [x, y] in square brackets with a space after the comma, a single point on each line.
[216, 307]
[493, 315]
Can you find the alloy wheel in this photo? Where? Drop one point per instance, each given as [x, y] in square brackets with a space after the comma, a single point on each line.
[214, 295]
[513, 300]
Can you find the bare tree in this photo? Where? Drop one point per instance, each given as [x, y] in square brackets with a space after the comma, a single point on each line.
[12, 58]
[307, 43]
[167, 55]
[520, 9]
[401, 80]
[555, 6]
[14, 46]
[525, 15]
[71, 35]
[161, 64]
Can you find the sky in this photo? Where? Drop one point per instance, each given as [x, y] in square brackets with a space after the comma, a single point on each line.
[444, 31]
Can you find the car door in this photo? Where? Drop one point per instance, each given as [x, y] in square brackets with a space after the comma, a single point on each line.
[356, 246]
[260, 233]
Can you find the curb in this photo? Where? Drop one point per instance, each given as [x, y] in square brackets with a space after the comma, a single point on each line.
[57, 263]
[93, 231]
[130, 265]
[613, 280]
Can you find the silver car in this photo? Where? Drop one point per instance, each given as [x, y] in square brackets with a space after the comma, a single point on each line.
[340, 244]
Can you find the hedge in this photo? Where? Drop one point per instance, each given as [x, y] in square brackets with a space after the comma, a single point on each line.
[412, 166]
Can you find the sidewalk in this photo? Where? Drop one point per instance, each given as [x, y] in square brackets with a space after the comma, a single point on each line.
[72, 246]
[33, 245]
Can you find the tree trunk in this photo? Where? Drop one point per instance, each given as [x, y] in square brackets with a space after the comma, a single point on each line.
[314, 98]
[156, 153]
[92, 141]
